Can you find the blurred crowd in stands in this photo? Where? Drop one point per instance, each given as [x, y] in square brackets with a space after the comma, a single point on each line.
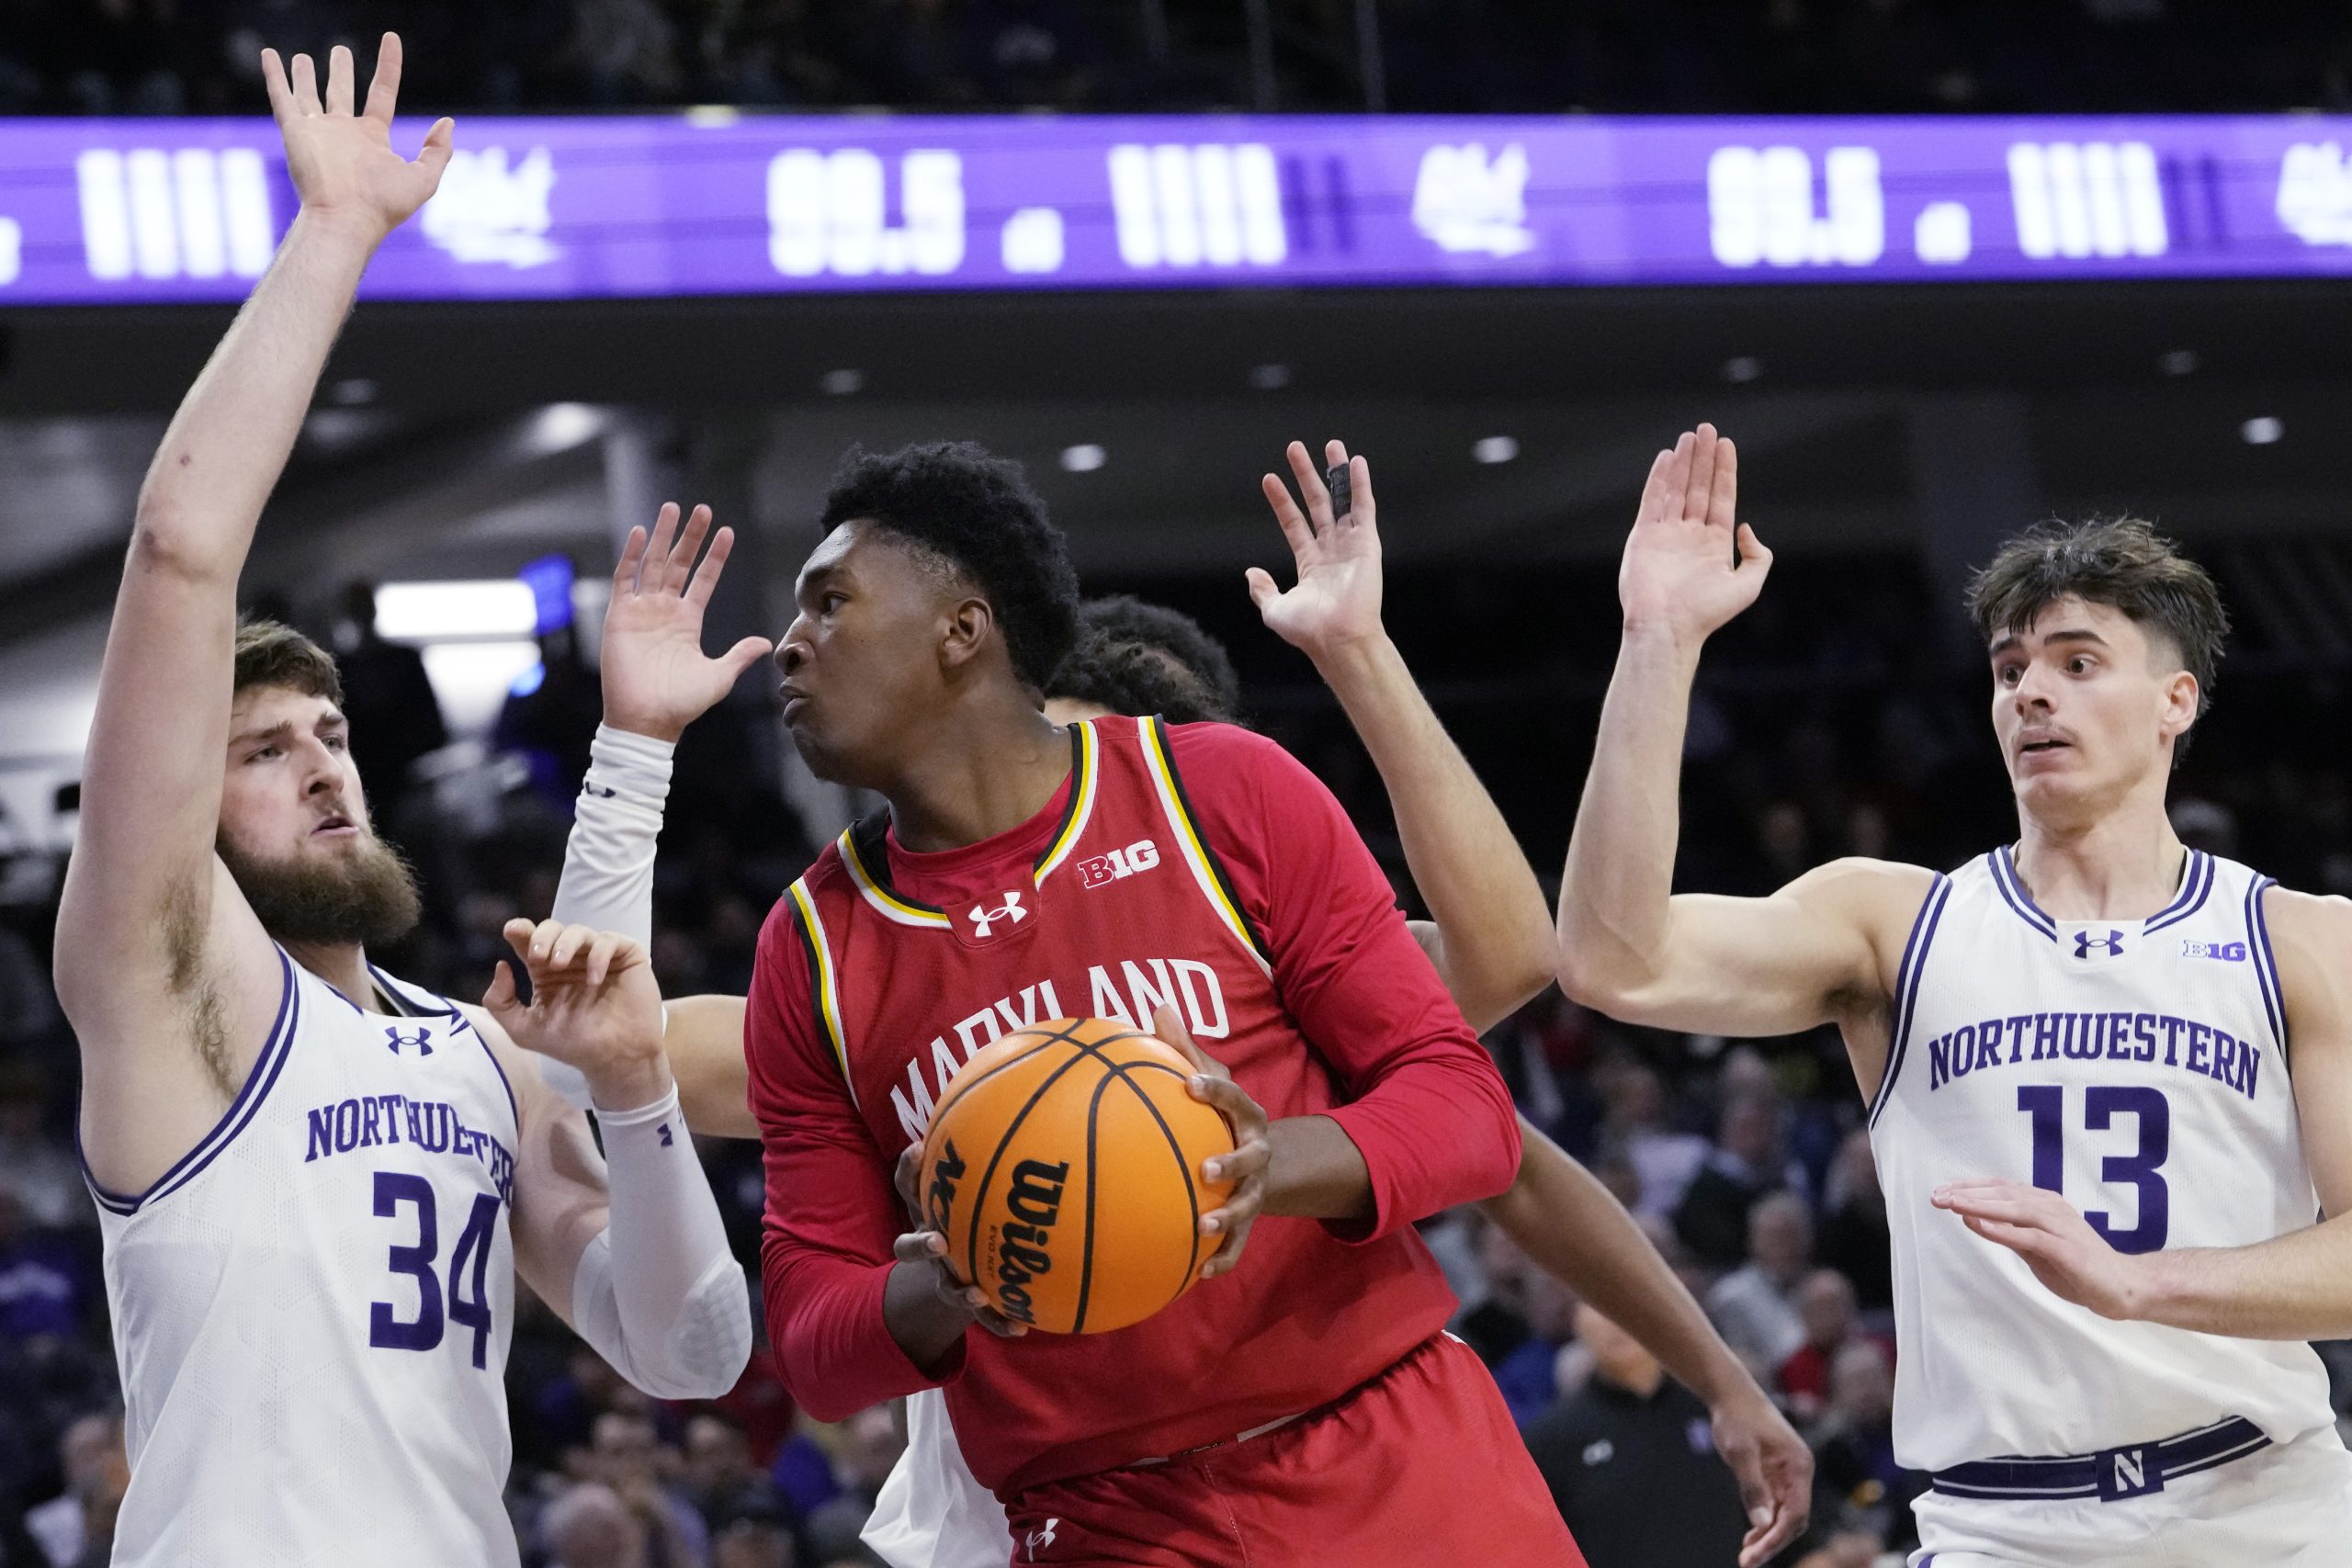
[1438, 56]
[1829, 722]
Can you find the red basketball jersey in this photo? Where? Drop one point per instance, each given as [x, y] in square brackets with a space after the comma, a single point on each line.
[882, 970]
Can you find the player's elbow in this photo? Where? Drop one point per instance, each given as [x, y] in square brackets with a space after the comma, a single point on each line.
[165, 541]
[1590, 981]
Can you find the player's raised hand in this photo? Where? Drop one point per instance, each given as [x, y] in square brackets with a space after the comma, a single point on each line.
[593, 1006]
[2064, 1253]
[1336, 598]
[1774, 1469]
[656, 678]
[1253, 1148]
[342, 159]
[1689, 565]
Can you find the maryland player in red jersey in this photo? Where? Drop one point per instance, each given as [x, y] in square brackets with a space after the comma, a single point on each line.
[1304, 1406]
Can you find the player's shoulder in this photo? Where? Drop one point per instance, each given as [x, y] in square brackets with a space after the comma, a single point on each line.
[2305, 922]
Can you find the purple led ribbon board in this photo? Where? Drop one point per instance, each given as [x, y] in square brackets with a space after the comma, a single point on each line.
[98, 211]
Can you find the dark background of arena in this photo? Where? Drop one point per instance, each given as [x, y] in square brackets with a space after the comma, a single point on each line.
[1889, 435]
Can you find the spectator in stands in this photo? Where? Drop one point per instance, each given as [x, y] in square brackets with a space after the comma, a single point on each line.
[590, 1526]
[1663, 1158]
[1746, 1164]
[628, 1456]
[1755, 1306]
[1630, 1459]
[1493, 1320]
[719, 1476]
[77, 1527]
[1856, 1477]
[1527, 1376]
[395, 717]
[753, 1532]
[35, 1169]
[41, 1288]
[1853, 1224]
[1825, 1302]
[870, 1444]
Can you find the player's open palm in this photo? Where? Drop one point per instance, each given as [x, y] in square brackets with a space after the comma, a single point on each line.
[2065, 1254]
[341, 159]
[1690, 564]
[1337, 597]
[594, 1001]
[656, 678]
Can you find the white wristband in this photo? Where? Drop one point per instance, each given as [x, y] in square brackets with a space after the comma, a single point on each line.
[624, 765]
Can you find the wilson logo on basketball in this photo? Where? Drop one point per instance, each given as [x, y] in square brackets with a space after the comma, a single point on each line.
[1097, 870]
[1036, 1202]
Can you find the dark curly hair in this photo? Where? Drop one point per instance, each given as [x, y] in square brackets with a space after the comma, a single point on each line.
[1138, 677]
[975, 513]
[1122, 618]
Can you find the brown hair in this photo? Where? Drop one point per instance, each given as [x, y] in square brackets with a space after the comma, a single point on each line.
[271, 654]
[2122, 562]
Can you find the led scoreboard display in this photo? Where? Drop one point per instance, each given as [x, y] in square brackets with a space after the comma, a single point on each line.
[96, 211]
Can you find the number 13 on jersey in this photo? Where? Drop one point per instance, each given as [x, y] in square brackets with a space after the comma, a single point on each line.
[2103, 1104]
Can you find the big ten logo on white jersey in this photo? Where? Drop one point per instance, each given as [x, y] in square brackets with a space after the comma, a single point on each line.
[1127, 992]
[1097, 870]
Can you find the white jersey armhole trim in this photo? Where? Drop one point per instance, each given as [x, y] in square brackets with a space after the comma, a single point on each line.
[267, 1066]
[1906, 988]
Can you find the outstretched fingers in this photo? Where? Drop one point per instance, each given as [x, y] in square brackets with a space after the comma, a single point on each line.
[1722, 488]
[705, 581]
[340, 73]
[681, 564]
[1297, 532]
[384, 90]
[1700, 484]
[306, 85]
[632, 557]
[657, 548]
[1310, 486]
[273, 80]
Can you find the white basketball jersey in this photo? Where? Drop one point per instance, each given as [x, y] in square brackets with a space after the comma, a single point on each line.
[312, 1310]
[2138, 1068]
[932, 1511]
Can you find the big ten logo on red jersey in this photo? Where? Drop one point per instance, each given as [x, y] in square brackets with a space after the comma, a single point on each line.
[1137, 857]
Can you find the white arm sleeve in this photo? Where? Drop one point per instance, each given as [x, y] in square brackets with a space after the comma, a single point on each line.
[657, 1292]
[608, 861]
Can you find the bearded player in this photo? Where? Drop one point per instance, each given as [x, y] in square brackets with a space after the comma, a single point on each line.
[2100, 1161]
[316, 1183]
[1490, 939]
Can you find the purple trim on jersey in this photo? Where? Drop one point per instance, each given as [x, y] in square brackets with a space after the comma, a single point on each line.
[2266, 964]
[1907, 986]
[460, 1023]
[276, 1048]
[2196, 883]
[2005, 878]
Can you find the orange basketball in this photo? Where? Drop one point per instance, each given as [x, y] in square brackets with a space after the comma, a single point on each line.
[1063, 1166]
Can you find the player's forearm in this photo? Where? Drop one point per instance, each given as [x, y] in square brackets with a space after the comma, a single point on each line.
[848, 1334]
[1433, 1131]
[2298, 1286]
[1616, 886]
[1496, 942]
[1574, 1229]
[679, 1316]
[1315, 1171]
[225, 449]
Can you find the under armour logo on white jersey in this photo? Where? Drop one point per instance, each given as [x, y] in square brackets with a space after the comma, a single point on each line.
[1036, 1541]
[1010, 910]
[422, 1040]
[2111, 944]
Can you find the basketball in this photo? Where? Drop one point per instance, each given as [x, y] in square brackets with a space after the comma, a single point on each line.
[1063, 1166]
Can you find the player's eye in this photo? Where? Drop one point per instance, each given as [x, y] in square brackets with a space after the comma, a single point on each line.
[337, 743]
[262, 754]
[829, 603]
[2079, 665]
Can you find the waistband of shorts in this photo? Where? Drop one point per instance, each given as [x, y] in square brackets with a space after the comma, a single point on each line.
[2133, 1470]
[1281, 1421]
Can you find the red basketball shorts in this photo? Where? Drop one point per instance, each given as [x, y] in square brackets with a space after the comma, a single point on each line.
[1419, 1466]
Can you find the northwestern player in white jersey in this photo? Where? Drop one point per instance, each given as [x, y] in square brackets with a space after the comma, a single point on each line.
[317, 1183]
[2100, 1168]
[1490, 941]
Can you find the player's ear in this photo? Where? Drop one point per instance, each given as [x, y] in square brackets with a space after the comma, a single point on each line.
[2181, 696]
[969, 627]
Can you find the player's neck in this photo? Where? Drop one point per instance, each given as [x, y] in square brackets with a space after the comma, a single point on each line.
[985, 770]
[2124, 866]
[342, 965]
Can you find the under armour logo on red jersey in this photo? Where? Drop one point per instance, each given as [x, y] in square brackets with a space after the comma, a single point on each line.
[422, 1040]
[1037, 1540]
[1010, 911]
